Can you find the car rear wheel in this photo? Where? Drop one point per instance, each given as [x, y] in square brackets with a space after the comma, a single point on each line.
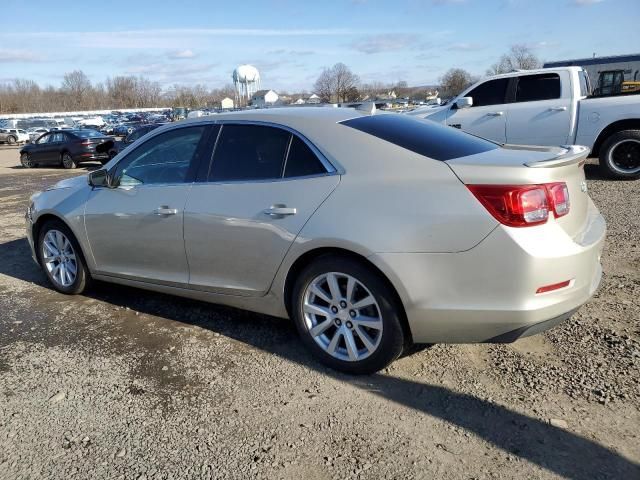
[67, 161]
[26, 161]
[346, 315]
[61, 258]
[620, 155]
[11, 140]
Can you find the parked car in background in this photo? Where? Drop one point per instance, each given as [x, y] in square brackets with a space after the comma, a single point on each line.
[549, 107]
[13, 135]
[124, 129]
[36, 132]
[370, 231]
[114, 147]
[68, 148]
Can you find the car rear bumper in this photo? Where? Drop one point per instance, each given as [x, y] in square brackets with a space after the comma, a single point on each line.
[488, 293]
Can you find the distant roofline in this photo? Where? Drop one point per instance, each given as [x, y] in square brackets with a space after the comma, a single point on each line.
[632, 57]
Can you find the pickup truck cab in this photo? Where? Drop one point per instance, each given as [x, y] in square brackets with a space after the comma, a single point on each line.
[549, 106]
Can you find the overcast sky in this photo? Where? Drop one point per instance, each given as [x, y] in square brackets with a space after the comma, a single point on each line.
[290, 41]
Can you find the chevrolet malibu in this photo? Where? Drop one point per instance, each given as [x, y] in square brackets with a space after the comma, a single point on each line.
[371, 231]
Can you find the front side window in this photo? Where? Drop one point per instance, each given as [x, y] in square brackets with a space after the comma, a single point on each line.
[533, 88]
[165, 158]
[249, 152]
[489, 93]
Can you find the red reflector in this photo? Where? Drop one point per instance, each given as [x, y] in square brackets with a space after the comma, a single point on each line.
[555, 286]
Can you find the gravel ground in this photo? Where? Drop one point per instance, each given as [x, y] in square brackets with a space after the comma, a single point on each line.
[123, 383]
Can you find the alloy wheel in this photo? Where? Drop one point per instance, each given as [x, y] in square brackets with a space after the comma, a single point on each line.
[67, 161]
[25, 160]
[59, 258]
[342, 316]
[624, 156]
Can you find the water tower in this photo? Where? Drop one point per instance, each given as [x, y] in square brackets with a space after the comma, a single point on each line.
[246, 80]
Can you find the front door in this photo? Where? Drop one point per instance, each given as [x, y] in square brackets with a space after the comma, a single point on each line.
[136, 229]
[264, 184]
[487, 116]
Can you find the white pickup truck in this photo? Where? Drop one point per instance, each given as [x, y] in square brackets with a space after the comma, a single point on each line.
[550, 106]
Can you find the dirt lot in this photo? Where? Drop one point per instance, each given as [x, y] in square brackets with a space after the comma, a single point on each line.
[122, 383]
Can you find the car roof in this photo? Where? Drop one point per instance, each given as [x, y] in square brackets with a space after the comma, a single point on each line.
[290, 116]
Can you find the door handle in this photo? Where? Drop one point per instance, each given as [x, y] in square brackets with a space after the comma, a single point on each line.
[495, 114]
[165, 210]
[558, 109]
[280, 211]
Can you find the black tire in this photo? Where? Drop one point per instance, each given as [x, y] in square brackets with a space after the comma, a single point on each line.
[392, 339]
[11, 140]
[26, 161]
[67, 161]
[611, 163]
[83, 277]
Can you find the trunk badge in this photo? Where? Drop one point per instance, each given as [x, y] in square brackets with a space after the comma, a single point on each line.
[583, 186]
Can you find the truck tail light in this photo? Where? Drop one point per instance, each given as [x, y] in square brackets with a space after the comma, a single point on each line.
[523, 205]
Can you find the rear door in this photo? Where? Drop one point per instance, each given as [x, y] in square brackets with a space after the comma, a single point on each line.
[487, 117]
[240, 220]
[541, 110]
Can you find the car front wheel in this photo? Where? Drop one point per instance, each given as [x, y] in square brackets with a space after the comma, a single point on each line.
[347, 316]
[26, 161]
[61, 258]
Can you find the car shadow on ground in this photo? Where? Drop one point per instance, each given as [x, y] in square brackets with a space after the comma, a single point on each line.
[557, 450]
[85, 167]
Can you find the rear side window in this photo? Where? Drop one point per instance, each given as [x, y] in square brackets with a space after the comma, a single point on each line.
[424, 137]
[532, 88]
[489, 93]
[301, 160]
[249, 152]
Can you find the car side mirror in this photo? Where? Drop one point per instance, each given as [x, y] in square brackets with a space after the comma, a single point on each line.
[464, 102]
[99, 178]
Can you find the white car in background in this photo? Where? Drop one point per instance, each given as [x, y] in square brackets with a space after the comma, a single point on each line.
[36, 132]
[13, 135]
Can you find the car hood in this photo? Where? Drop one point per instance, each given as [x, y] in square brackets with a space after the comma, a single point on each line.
[73, 182]
[427, 111]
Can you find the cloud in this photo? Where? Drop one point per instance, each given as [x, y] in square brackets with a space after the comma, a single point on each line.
[284, 51]
[465, 47]
[387, 42]
[585, 3]
[169, 69]
[18, 56]
[181, 54]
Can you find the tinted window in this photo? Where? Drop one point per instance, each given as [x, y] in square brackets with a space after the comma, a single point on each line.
[301, 160]
[165, 158]
[249, 152]
[45, 138]
[532, 88]
[425, 137]
[489, 93]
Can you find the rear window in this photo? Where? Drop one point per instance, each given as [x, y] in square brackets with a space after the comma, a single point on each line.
[88, 133]
[532, 88]
[424, 137]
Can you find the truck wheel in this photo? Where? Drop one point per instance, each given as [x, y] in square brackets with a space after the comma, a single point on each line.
[620, 155]
[11, 140]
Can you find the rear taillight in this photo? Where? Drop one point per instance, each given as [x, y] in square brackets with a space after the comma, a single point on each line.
[523, 205]
[559, 194]
[86, 142]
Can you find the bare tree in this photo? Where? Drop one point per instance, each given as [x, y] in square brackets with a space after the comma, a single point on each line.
[337, 84]
[454, 81]
[519, 57]
[78, 87]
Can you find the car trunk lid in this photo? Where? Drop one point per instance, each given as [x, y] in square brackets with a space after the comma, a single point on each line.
[526, 165]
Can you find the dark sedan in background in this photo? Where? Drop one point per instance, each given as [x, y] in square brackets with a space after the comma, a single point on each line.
[114, 147]
[67, 148]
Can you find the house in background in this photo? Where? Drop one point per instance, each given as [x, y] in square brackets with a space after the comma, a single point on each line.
[313, 98]
[226, 103]
[264, 98]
